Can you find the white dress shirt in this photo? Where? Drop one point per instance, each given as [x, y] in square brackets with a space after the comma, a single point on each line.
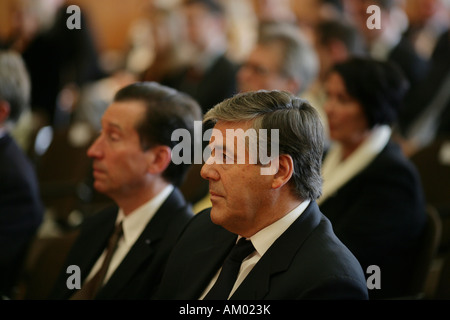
[262, 241]
[133, 225]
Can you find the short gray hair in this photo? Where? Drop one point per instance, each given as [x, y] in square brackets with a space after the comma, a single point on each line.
[300, 131]
[15, 86]
[299, 59]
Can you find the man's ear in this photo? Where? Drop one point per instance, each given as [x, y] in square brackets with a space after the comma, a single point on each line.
[285, 171]
[5, 110]
[158, 158]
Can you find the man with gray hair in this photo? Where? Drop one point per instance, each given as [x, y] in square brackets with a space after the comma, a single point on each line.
[21, 209]
[283, 247]
[282, 59]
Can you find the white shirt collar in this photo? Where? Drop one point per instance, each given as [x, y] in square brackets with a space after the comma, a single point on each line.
[263, 239]
[336, 172]
[136, 221]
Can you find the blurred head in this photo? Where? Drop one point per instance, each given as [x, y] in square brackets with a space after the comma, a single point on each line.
[336, 41]
[205, 22]
[241, 196]
[420, 11]
[282, 59]
[15, 87]
[135, 144]
[167, 29]
[363, 93]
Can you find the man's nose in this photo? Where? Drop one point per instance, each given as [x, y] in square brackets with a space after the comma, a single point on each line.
[208, 172]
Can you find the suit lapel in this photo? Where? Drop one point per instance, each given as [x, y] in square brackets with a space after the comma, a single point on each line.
[96, 244]
[145, 246]
[279, 256]
[205, 262]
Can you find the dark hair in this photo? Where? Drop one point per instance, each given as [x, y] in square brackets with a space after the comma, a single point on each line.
[300, 131]
[213, 6]
[166, 110]
[379, 86]
[329, 30]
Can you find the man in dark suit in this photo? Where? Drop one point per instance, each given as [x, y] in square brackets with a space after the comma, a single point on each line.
[132, 164]
[21, 210]
[268, 204]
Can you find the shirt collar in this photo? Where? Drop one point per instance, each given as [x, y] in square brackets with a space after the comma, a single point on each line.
[136, 221]
[263, 239]
[336, 172]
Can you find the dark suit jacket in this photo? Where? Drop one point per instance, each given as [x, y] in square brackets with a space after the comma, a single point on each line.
[306, 262]
[21, 210]
[418, 100]
[140, 272]
[379, 215]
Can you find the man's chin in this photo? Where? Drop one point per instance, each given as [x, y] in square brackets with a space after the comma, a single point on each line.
[99, 187]
[216, 215]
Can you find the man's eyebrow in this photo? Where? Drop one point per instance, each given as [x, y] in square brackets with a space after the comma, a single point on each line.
[113, 125]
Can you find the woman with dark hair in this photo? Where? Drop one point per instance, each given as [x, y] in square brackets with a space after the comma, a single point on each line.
[371, 192]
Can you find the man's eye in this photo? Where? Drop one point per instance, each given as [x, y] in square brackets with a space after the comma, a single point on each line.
[114, 136]
[227, 158]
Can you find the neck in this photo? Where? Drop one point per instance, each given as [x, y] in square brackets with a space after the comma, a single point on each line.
[348, 147]
[131, 200]
[275, 211]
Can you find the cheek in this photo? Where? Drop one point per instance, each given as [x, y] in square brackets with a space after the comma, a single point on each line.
[128, 165]
[348, 118]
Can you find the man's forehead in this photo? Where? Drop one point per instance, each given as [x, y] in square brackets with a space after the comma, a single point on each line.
[123, 114]
[230, 131]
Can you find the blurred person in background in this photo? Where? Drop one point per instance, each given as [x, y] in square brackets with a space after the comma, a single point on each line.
[59, 60]
[372, 193]
[21, 208]
[425, 116]
[210, 76]
[334, 41]
[387, 43]
[428, 20]
[282, 59]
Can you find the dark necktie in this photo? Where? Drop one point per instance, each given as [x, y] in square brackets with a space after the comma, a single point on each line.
[230, 269]
[89, 290]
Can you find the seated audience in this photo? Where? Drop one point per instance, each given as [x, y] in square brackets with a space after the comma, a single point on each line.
[283, 247]
[425, 115]
[387, 43]
[132, 164]
[371, 193]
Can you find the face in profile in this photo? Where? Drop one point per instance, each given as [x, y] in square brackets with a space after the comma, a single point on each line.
[238, 190]
[346, 118]
[119, 163]
[261, 71]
